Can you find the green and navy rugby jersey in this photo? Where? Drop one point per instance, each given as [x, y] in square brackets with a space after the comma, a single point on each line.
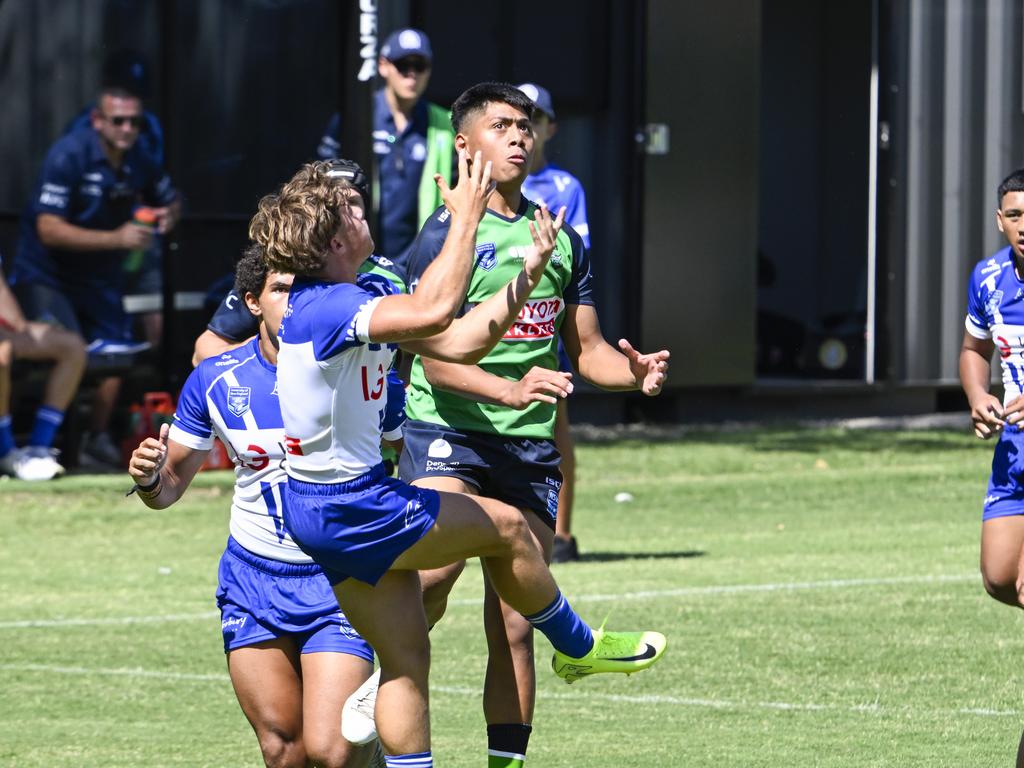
[501, 244]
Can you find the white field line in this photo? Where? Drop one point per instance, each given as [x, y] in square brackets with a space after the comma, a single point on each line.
[729, 589]
[724, 589]
[99, 622]
[583, 696]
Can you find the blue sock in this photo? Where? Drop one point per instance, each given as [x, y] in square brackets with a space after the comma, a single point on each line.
[6, 435]
[48, 421]
[564, 628]
[414, 760]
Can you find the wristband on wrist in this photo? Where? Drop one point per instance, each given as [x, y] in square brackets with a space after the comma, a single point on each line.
[149, 491]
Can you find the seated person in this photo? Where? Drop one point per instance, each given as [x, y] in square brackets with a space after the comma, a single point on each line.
[77, 232]
[22, 340]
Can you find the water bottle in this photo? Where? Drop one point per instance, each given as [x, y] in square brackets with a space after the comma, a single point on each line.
[143, 217]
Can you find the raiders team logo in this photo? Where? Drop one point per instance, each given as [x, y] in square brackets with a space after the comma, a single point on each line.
[486, 256]
[238, 399]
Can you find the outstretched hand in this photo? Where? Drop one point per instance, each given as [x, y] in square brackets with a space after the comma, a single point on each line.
[544, 235]
[650, 372]
[539, 385]
[474, 186]
[149, 458]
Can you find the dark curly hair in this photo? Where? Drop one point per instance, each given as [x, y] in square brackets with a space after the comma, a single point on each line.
[251, 272]
[1012, 183]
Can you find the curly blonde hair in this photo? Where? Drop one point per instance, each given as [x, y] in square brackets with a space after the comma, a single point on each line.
[295, 225]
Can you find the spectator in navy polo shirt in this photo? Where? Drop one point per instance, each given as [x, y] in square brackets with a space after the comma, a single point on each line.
[77, 232]
[127, 69]
[412, 139]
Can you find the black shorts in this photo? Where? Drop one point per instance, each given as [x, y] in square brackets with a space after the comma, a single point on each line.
[93, 311]
[521, 471]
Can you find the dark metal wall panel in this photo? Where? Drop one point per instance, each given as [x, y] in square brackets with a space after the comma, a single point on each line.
[701, 199]
[965, 132]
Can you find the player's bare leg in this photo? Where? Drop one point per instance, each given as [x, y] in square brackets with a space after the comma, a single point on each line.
[328, 679]
[510, 686]
[1002, 541]
[437, 583]
[267, 681]
[567, 493]
[390, 617]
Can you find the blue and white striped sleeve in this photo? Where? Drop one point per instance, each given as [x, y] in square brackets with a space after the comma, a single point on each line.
[192, 426]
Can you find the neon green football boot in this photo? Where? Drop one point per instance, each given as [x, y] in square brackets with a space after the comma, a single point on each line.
[625, 652]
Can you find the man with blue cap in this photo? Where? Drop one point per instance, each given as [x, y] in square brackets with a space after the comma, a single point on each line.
[412, 139]
[555, 187]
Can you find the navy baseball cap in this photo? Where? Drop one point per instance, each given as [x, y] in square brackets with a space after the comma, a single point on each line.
[406, 42]
[540, 97]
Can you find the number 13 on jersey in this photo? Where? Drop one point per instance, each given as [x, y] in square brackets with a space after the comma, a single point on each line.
[378, 388]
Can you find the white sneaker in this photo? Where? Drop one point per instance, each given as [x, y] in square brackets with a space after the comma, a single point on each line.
[32, 463]
[99, 449]
[357, 723]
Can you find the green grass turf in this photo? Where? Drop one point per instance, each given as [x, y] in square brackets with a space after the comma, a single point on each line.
[819, 590]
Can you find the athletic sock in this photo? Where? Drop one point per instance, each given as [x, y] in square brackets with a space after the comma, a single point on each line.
[6, 435]
[44, 430]
[506, 745]
[568, 633]
[414, 760]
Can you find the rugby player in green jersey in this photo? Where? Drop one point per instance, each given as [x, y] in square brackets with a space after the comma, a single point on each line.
[487, 429]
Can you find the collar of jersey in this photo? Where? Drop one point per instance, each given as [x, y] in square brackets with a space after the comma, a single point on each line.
[259, 355]
[524, 204]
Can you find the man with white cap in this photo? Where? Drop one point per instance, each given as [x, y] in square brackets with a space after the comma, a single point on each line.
[554, 187]
[412, 139]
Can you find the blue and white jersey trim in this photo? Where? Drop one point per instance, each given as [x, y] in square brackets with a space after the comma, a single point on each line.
[235, 397]
[333, 379]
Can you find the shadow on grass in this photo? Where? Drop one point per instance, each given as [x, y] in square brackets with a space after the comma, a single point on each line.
[611, 557]
[801, 440]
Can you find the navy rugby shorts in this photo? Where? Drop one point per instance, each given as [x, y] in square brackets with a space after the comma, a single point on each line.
[521, 471]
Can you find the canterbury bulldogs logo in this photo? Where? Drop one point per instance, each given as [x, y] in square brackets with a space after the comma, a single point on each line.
[992, 302]
[486, 256]
[238, 400]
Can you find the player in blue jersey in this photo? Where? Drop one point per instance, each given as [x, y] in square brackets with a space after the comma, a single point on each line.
[995, 320]
[556, 188]
[371, 533]
[232, 324]
[292, 655]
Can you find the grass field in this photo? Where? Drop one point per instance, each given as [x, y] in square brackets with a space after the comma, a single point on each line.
[819, 590]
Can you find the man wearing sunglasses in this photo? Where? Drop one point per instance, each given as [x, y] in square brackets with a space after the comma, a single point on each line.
[128, 69]
[77, 231]
[412, 139]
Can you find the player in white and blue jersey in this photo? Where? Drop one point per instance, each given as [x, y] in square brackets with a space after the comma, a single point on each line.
[371, 533]
[995, 320]
[292, 655]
